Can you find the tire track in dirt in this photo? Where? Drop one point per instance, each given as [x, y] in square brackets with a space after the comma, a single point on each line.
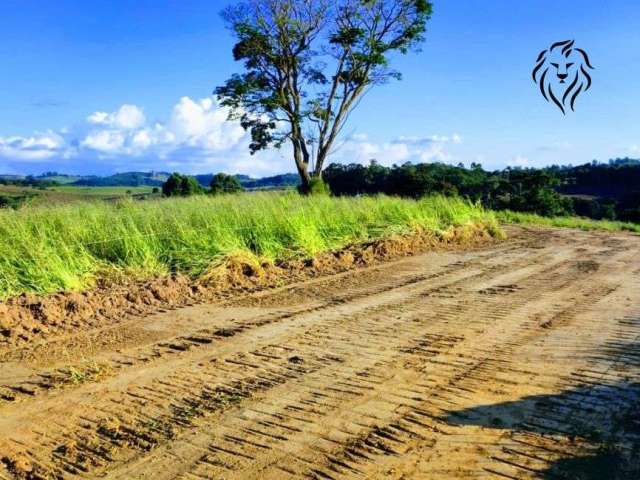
[449, 365]
[228, 327]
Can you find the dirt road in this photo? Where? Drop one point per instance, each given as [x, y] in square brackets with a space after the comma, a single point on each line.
[519, 360]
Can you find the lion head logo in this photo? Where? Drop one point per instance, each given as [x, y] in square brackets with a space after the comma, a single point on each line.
[562, 74]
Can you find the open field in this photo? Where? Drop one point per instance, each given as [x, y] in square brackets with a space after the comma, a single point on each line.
[512, 361]
[102, 191]
[68, 194]
[71, 247]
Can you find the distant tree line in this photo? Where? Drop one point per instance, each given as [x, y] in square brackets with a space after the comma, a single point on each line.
[285, 180]
[28, 181]
[126, 179]
[597, 190]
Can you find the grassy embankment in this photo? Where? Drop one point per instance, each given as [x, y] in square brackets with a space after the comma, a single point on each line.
[67, 247]
[566, 222]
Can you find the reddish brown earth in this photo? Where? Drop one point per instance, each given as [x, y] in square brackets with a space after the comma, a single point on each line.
[513, 360]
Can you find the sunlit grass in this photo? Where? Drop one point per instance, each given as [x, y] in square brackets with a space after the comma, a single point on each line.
[68, 247]
[101, 191]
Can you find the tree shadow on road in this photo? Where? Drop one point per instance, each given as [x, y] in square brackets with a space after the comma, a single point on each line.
[602, 418]
[607, 463]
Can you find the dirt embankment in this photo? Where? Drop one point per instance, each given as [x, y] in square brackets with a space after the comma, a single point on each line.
[30, 317]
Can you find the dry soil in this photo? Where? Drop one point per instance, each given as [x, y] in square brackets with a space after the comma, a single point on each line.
[516, 360]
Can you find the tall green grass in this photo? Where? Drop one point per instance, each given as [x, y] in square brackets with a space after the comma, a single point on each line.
[566, 222]
[43, 250]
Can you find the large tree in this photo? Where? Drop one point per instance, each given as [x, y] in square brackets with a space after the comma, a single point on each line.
[307, 65]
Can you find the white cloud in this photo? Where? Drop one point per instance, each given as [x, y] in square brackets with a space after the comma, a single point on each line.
[35, 148]
[203, 124]
[196, 137]
[143, 139]
[127, 117]
[196, 129]
[106, 141]
[434, 148]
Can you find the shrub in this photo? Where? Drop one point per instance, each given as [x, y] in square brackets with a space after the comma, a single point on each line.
[223, 183]
[180, 186]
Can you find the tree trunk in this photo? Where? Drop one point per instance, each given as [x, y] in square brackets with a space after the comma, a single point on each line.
[310, 182]
[322, 156]
[302, 164]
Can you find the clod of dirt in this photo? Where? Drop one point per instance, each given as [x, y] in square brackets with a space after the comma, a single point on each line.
[588, 266]
[17, 463]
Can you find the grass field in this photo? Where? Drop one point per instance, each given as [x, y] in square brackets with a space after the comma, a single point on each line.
[102, 191]
[64, 194]
[67, 247]
[566, 222]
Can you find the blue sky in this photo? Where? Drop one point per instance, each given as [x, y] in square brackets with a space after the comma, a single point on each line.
[104, 86]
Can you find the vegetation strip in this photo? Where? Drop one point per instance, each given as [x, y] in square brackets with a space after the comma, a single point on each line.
[75, 247]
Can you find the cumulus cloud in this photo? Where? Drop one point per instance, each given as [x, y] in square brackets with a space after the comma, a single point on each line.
[196, 137]
[360, 149]
[107, 141]
[127, 117]
[203, 124]
[33, 148]
[196, 130]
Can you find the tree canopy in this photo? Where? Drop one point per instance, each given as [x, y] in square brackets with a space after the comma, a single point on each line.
[307, 65]
[178, 185]
[223, 183]
[596, 190]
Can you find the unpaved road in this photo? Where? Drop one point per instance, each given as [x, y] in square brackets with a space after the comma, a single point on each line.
[519, 360]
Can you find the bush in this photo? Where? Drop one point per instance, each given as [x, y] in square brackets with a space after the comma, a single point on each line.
[7, 201]
[223, 183]
[180, 186]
